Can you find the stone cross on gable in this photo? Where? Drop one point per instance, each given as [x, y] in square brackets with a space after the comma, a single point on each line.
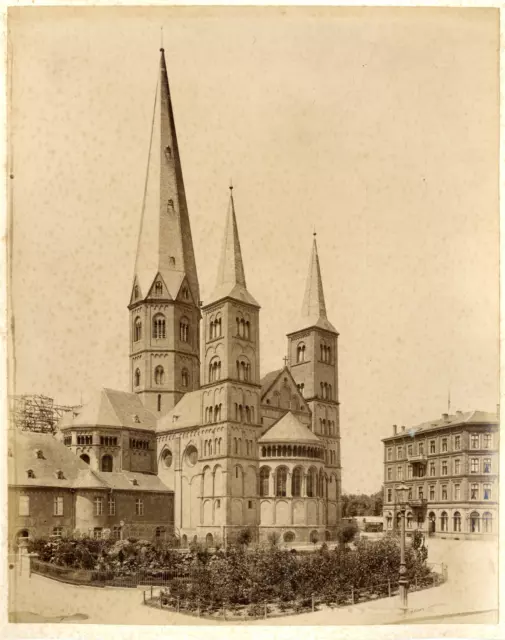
[286, 360]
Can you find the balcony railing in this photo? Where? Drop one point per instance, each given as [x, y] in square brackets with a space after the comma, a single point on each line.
[420, 457]
[418, 502]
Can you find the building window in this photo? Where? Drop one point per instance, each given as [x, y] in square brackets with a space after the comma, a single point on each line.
[390, 473]
[410, 520]
[159, 326]
[159, 375]
[98, 506]
[457, 466]
[432, 492]
[97, 533]
[474, 491]
[487, 465]
[58, 506]
[399, 453]
[30, 473]
[136, 292]
[487, 492]
[444, 521]
[184, 330]
[420, 493]
[432, 469]
[444, 467]
[24, 505]
[136, 382]
[409, 472]
[390, 495]
[264, 481]
[487, 522]
[389, 522]
[158, 288]
[474, 465]
[159, 401]
[457, 522]
[185, 378]
[300, 353]
[474, 522]
[107, 463]
[281, 482]
[399, 473]
[420, 447]
[139, 507]
[457, 443]
[444, 492]
[390, 454]
[457, 492]
[474, 441]
[57, 532]
[215, 370]
[409, 450]
[296, 483]
[311, 483]
[137, 330]
[432, 446]
[116, 532]
[410, 493]
[444, 445]
[112, 505]
[487, 441]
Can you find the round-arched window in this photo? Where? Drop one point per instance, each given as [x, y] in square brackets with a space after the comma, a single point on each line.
[191, 455]
[289, 536]
[166, 458]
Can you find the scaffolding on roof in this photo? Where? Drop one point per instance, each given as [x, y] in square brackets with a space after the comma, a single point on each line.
[36, 413]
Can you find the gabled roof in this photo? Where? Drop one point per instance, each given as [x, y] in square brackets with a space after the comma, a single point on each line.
[289, 429]
[165, 245]
[111, 408]
[124, 480]
[186, 413]
[231, 275]
[269, 381]
[453, 420]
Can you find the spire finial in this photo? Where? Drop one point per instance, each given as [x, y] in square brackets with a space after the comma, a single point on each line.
[161, 43]
[231, 185]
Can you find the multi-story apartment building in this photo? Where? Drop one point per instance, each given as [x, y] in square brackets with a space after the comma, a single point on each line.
[450, 466]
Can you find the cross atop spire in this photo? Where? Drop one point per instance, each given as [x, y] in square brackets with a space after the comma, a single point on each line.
[165, 245]
[313, 306]
[231, 275]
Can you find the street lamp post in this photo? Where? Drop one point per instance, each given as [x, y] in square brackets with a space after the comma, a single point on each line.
[402, 492]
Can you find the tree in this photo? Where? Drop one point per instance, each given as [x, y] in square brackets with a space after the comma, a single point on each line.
[347, 533]
[245, 536]
[362, 504]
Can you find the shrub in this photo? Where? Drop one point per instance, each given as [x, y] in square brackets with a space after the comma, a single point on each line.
[347, 533]
[245, 536]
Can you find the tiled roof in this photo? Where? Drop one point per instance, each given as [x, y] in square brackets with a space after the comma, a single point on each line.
[111, 408]
[186, 413]
[77, 474]
[289, 429]
[268, 380]
[56, 457]
[460, 418]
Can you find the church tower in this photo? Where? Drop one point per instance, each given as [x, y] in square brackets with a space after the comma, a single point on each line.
[313, 362]
[231, 380]
[165, 298]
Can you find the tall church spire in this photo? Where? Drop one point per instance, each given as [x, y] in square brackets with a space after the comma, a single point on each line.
[231, 276]
[313, 308]
[165, 244]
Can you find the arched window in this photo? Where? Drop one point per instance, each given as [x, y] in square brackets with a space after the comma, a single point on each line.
[238, 326]
[159, 375]
[247, 415]
[137, 377]
[296, 483]
[107, 463]
[158, 289]
[159, 326]
[328, 355]
[487, 522]
[410, 520]
[312, 483]
[329, 392]
[264, 481]
[247, 330]
[185, 378]
[214, 370]
[137, 329]
[242, 328]
[444, 521]
[322, 390]
[300, 352]
[184, 330]
[281, 479]
[457, 521]
[474, 522]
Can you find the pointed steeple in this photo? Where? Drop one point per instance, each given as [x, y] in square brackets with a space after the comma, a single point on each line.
[165, 245]
[231, 276]
[314, 308]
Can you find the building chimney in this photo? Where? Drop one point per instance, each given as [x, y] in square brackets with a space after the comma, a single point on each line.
[459, 412]
[395, 429]
[445, 416]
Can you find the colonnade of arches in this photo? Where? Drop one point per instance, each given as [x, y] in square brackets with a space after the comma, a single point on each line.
[291, 451]
[300, 482]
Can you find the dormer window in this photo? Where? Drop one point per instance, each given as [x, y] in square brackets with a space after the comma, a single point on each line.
[168, 152]
[175, 418]
[30, 473]
[39, 453]
[136, 418]
[60, 475]
[170, 206]
[135, 482]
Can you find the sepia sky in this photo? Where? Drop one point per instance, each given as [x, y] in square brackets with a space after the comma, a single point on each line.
[376, 127]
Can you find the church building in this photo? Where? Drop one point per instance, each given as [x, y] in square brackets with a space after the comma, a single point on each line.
[237, 448]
